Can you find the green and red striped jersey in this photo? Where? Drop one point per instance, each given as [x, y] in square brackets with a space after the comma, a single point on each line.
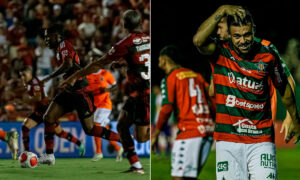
[185, 90]
[242, 88]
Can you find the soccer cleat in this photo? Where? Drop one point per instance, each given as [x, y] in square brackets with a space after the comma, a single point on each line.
[12, 142]
[97, 157]
[47, 159]
[81, 149]
[119, 157]
[135, 170]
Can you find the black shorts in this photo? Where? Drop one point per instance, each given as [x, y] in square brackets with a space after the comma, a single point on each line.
[80, 101]
[38, 118]
[138, 110]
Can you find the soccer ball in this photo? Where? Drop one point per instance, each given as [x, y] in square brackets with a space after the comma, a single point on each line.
[28, 160]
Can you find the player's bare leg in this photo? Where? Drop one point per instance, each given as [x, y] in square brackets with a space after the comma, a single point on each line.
[53, 113]
[142, 133]
[11, 138]
[98, 131]
[27, 125]
[128, 144]
[68, 136]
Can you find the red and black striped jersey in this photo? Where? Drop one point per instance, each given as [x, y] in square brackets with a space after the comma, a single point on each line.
[135, 50]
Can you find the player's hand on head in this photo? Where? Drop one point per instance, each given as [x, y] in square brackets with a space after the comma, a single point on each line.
[235, 11]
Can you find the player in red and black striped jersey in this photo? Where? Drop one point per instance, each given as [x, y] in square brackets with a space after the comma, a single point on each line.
[37, 97]
[71, 98]
[135, 50]
[243, 72]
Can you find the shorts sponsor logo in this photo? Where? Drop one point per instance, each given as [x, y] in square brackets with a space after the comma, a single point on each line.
[271, 176]
[232, 101]
[245, 83]
[268, 160]
[248, 128]
[222, 166]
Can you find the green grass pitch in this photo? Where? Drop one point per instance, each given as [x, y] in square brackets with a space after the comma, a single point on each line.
[288, 161]
[73, 169]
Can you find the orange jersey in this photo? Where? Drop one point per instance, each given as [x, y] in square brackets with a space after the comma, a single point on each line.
[185, 91]
[97, 82]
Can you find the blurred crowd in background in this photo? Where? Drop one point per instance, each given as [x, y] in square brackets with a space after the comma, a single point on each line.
[92, 27]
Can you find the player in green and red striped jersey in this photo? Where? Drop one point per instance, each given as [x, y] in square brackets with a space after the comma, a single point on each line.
[184, 93]
[222, 34]
[243, 72]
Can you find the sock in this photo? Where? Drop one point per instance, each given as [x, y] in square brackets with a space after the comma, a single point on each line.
[115, 145]
[25, 137]
[128, 146]
[133, 157]
[102, 132]
[2, 135]
[98, 145]
[49, 137]
[69, 137]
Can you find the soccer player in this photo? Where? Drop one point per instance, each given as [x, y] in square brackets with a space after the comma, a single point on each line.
[184, 92]
[135, 50]
[11, 139]
[71, 98]
[37, 97]
[100, 84]
[243, 71]
[222, 34]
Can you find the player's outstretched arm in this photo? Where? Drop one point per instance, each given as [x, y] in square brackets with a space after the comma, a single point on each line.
[289, 100]
[89, 69]
[210, 25]
[67, 64]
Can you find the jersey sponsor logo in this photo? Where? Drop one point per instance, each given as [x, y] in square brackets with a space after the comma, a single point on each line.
[222, 166]
[143, 47]
[244, 69]
[62, 44]
[249, 128]
[245, 83]
[137, 41]
[268, 160]
[232, 101]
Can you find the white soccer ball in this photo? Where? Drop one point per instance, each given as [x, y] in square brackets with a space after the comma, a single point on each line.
[28, 160]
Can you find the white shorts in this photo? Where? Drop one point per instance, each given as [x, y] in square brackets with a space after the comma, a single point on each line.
[101, 116]
[189, 156]
[236, 161]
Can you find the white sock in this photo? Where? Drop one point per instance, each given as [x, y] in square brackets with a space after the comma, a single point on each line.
[137, 164]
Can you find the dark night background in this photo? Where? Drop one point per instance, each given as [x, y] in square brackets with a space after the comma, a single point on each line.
[176, 22]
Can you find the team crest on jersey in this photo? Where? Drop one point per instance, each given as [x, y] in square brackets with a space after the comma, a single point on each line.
[261, 66]
[137, 41]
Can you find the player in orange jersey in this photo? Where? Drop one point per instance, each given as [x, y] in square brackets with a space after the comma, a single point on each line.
[184, 92]
[243, 71]
[11, 139]
[101, 83]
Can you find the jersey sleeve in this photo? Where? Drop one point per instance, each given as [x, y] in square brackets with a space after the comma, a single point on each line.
[168, 90]
[118, 51]
[110, 79]
[285, 68]
[278, 75]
